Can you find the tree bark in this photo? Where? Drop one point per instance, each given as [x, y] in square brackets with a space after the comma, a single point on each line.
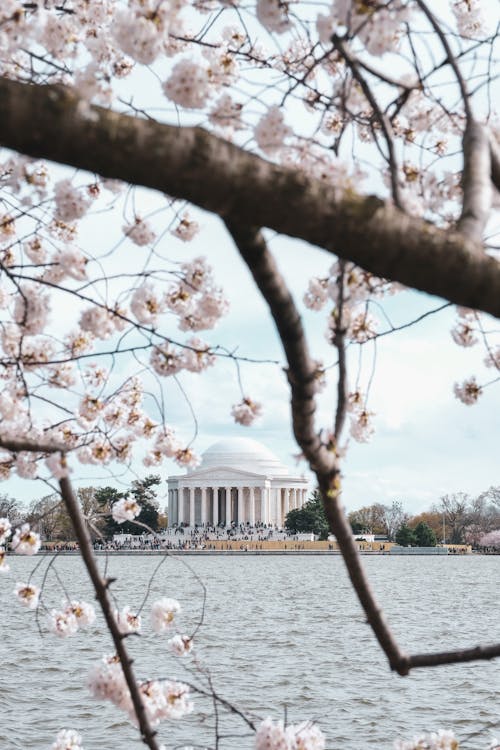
[189, 163]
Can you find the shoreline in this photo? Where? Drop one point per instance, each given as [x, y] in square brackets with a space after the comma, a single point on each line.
[240, 553]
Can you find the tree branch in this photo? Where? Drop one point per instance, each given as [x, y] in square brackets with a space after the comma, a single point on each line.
[476, 181]
[301, 369]
[191, 164]
[101, 591]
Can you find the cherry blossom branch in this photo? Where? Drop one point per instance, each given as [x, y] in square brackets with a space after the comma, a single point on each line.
[339, 344]
[191, 164]
[253, 249]
[102, 595]
[301, 370]
[384, 121]
[476, 181]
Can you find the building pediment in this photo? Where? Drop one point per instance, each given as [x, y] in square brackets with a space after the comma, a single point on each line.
[221, 474]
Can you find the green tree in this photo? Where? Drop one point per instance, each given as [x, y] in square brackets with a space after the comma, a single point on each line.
[308, 519]
[424, 535]
[143, 491]
[405, 536]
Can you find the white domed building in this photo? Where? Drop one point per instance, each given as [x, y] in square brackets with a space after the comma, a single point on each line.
[238, 481]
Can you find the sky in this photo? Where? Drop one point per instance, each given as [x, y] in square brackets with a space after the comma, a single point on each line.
[426, 443]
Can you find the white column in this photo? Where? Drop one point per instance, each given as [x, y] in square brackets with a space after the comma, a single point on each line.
[240, 505]
[263, 505]
[204, 505]
[279, 518]
[181, 505]
[287, 508]
[228, 506]
[304, 497]
[191, 506]
[252, 506]
[215, 506]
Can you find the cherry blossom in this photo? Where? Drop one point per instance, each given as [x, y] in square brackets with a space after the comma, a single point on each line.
[125, 509]
[180, 645]
[27, 594]
[62, 623]
[67, 739]
[188, 84]
[442, 740]
[5, 529]
[468, 392]
[83, 612]
[163, 612]
[246, 411]
[140, 232]
[127, 621]
[25, 541]
[271, 131]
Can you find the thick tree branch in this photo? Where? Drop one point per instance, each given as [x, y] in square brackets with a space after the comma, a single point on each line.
[476, 181]
[253, 249]
[216, 175]
[495, 161]
[301, 371]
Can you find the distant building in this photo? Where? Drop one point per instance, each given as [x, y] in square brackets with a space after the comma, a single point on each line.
[239, 481]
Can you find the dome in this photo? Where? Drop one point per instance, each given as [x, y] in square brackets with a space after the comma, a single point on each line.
[244, 454]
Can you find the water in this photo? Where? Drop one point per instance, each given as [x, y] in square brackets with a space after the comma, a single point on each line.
[280, 633]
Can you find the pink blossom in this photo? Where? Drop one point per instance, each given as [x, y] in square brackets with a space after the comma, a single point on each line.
[468, 392]
[71, 202]
[25, 541]
[67, 739]
[140, 232]
[163, 612]
[127, 621]
[27, 594]
[180, 645]
[246, 411]
[62, 624]
[125, 509]
[5, 529]
[271, 131]
[273, 15]
[186, 229]
[187, 85]
[361, 428]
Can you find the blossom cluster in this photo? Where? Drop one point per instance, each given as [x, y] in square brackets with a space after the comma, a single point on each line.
[163, 699]
[73, 616]
[273, 735]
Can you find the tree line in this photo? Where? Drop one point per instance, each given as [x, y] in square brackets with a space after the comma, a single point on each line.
[456, 518]
[49, 517]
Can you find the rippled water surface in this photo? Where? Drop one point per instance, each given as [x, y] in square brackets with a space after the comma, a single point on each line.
[279, 634]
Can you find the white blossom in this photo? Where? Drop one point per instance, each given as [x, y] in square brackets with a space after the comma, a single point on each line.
[62, 623]
[271, 131]
[180, 645]
[25, 541]
[5, 529]
[127, 621]
[246, 411]
[125, 509]
[140, 232]
[468, 392]
[71, 202]
[187, 85]
[27, 594]
[67, 739]
[163, 612]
